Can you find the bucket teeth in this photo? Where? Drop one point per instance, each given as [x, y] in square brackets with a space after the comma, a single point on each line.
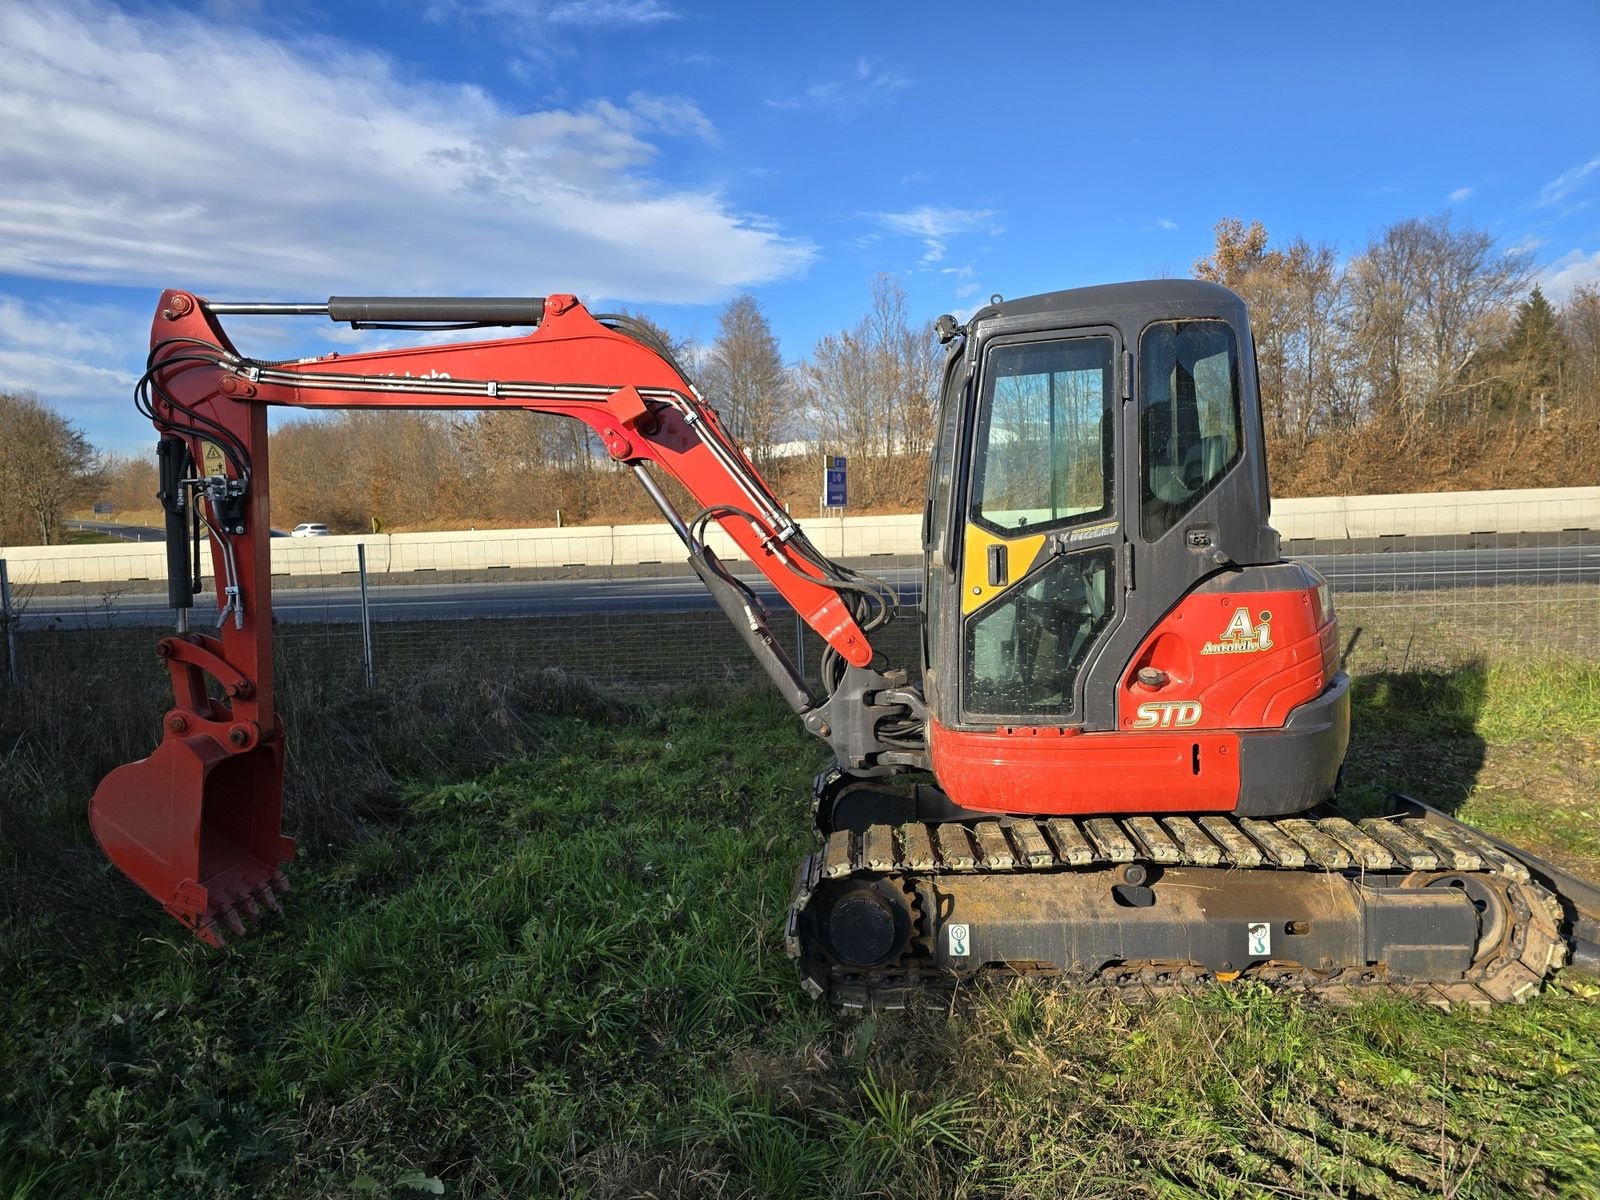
[251, 908]
[270, 900]
[280, 881]
[232, 920]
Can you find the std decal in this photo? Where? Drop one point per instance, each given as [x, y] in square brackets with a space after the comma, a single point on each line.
[1167, 714]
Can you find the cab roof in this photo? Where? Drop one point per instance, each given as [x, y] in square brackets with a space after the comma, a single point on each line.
[1149, 298]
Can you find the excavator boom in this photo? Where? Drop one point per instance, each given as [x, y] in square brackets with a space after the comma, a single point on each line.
[197, 824]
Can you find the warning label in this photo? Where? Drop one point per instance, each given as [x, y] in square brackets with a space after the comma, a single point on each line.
[213, 462]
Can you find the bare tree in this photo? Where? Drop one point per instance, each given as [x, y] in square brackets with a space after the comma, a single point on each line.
[1580, 324]
[744, 377]
[1294, 300]
[128, 482]
[1425, 298]
[907, 363]
[871, 391]
[839, 391]
[46, 465]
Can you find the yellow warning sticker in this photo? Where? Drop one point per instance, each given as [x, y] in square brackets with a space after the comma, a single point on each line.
[212, 460]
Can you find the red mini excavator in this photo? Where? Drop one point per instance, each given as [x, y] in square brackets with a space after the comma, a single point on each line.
[1114, 763]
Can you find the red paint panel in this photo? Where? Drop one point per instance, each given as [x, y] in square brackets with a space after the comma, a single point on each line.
[1248, 659]
[1028, 771]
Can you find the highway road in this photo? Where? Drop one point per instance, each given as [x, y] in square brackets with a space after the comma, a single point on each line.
[127, 533]
[132, 533]
[1405, 571]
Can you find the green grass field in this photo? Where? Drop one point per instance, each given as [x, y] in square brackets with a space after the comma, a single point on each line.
[562, 974]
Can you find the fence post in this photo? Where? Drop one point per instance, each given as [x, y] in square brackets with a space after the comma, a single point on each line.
[9, 619]
[366, 611]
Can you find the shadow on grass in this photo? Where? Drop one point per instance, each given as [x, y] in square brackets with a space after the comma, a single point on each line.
[1416, 732]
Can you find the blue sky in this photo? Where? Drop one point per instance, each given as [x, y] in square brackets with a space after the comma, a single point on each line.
[667, 154]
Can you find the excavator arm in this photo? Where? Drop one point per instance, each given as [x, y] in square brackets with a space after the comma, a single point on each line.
[198, 823]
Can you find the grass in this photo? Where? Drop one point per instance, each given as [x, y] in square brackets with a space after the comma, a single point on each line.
[88, 537]
[1513, 747]
[536, 950]
[1402, 631]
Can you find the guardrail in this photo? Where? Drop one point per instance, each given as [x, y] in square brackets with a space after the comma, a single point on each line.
[1319, 519]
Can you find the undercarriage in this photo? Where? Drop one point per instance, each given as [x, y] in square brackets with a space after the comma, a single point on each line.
[1414, 902]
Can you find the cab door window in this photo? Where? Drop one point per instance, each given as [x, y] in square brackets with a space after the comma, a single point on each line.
[1043, 449]
[1025, 649]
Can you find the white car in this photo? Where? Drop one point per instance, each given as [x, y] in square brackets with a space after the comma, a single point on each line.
[309, 529]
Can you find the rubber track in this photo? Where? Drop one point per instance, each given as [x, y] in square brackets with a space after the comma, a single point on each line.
[1532, 950]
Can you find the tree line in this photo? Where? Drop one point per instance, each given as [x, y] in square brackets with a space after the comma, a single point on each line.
[867, 392]
[1426, 360]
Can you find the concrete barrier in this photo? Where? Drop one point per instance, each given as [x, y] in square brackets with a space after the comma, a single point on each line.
[1322, 519]
[1433, 514]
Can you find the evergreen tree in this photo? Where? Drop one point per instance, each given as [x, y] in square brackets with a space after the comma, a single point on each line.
[1535, 351]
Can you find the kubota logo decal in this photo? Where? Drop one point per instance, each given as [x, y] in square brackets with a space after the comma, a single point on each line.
[1167, 714]
[1242, 635]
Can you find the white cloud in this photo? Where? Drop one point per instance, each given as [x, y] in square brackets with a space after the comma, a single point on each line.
[962, 277]
[82, 360]
[935, 226]
[1558, 189]
[535, 16]
[528, 39]
[1460, 195]
[673, 114]
[845, 94]
[1570, 272]
[69, 329]
[309, 168]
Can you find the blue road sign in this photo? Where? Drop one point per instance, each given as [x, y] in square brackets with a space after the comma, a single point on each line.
[833, 481]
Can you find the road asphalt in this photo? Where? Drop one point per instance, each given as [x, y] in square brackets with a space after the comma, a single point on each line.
[137, 604]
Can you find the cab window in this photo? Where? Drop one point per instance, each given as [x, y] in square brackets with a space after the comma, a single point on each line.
[1025, 649]
[1044, 443]
[1188, 417]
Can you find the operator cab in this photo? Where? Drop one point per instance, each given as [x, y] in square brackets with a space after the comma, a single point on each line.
[1100, 452]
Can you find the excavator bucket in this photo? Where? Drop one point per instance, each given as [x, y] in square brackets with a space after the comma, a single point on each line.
[197, 825]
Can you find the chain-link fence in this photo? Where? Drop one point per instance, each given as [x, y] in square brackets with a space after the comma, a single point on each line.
[620, 611]
[1446, 599]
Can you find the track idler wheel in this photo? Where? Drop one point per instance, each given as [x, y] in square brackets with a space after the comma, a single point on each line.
[864, 924]
[1488, 897]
